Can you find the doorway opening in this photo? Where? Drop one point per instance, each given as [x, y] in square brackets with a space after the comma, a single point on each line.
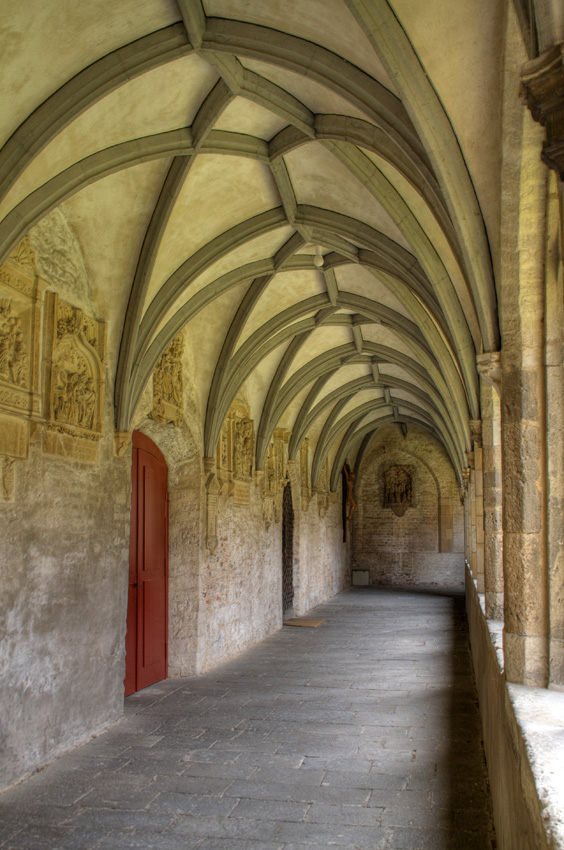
[287, 551]
[147, 609]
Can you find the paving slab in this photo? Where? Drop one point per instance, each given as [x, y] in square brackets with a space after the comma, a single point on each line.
[363, 734]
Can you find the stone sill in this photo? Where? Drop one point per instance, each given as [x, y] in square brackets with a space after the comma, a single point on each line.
[538, 714]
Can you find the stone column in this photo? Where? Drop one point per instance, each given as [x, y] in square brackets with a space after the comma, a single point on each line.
[555, 432]
[465, 499]
[523, 422]
[445, 523]
[543, 87]
[478, 505]
[471, 500]
[489, 367]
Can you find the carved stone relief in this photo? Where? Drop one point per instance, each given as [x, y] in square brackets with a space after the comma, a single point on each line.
[14, 354]
[350, 478]
[274, 479]
[19, 321]
[323, 495]
[51, 369]
[304, 474]
[213, 490]
[399, 489]
[20, 333]
[235, 453]
[75, 381]
[466, 472]
[243, 448]
[7, 479]
[168, 396]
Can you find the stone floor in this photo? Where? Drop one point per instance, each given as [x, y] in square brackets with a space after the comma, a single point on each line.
[363, 733]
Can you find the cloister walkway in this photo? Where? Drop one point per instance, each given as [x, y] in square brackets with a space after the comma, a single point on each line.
[362, 733]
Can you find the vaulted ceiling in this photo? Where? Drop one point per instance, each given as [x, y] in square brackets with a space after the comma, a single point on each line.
[309, 187]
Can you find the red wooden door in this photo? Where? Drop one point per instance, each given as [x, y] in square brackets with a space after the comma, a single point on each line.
[147, 611]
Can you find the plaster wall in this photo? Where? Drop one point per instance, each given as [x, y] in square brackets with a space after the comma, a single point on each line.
[323, 557]
[65, 545]
[424, 546]
[65, 569]
[241, 584]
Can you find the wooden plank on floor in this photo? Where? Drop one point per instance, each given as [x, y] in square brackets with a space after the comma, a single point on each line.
[304, 622]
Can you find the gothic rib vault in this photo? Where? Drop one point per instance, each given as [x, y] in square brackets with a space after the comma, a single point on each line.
[271, 179]
[291, 245]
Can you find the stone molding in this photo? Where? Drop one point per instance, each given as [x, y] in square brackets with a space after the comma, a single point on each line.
[7, 479]
[168, 388]
[489, 368]
[274, 479]
[304, 474]
[542, 82]
[466, 472]
[476, 431]
[121, 441]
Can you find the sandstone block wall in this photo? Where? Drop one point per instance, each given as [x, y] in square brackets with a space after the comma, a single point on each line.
[520, 818]
[425, 545]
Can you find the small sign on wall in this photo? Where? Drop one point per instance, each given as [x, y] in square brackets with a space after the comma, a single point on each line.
[360, 578]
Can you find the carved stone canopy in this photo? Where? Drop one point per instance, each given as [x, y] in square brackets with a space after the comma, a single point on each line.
[543, 88]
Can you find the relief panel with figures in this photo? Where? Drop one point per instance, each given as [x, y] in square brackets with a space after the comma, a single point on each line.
[74, 381]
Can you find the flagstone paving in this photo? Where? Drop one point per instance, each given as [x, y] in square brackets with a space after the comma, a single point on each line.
[363, 733]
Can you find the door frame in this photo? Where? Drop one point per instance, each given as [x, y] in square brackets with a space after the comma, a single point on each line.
[287, 545]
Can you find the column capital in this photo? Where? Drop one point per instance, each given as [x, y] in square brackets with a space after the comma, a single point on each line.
[465, 481]
[476, 431]
[542, 84]
[489, 368]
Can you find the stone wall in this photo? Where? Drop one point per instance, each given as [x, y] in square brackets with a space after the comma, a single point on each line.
[241, 583]
[522, 821]
[65, 503]
[323, 557]
[64, 572]
[65, 567]
[415, 537]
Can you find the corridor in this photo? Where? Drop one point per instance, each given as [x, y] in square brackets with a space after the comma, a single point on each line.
[361, 733]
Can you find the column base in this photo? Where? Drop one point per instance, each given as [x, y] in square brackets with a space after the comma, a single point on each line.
[556, 680]
[494, 605]
[526, 659]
